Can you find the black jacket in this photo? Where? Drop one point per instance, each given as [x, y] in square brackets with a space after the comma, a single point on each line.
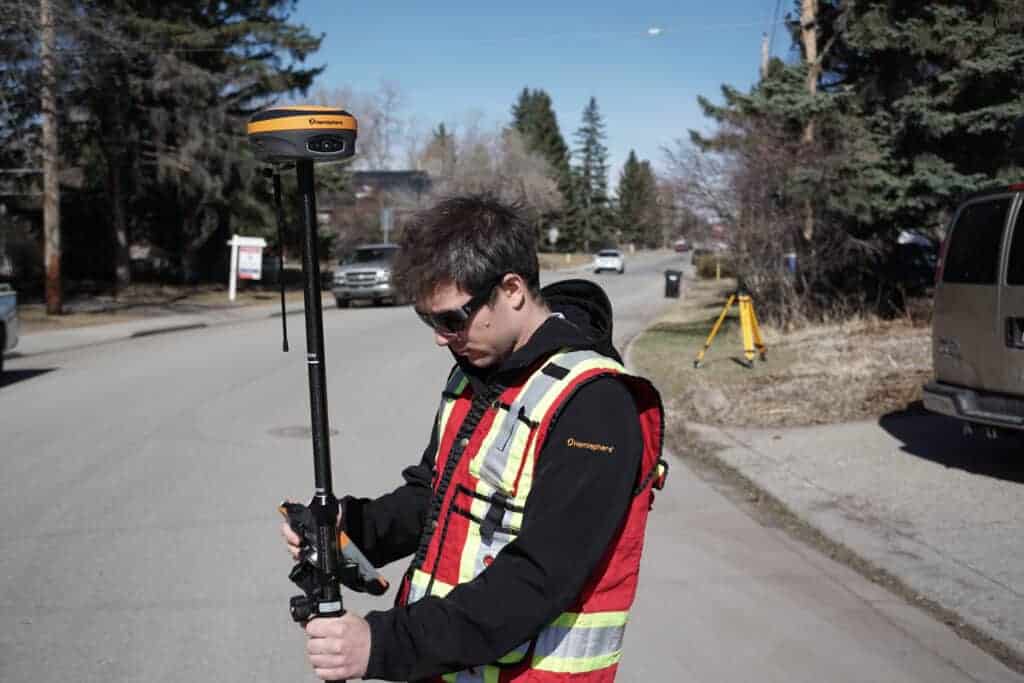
[577, 503]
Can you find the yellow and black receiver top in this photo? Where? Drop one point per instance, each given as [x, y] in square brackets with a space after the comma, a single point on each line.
[302, 132]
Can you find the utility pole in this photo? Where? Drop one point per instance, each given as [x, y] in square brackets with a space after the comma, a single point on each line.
[764, 55]
[809, 37]
[51, 152]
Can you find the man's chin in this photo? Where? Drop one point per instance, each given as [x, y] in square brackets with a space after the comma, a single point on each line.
[477, 360]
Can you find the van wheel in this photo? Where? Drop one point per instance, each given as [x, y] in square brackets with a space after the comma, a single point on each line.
[342, 303]
[3, 343]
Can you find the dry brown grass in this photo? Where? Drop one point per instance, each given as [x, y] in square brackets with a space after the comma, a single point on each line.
[858, 369]
[564, 261]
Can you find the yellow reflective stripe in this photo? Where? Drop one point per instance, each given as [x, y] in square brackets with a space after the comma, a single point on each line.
[479, 674]
[590, 619]
[418, 586]
[469, 561]
[515, 655]
[577, 642]
[576, 666]
[456, 385]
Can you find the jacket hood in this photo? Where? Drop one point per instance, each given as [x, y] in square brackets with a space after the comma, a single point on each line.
[581, 319]
[586, 306]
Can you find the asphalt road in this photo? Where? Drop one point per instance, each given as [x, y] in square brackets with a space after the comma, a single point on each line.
[140, 481]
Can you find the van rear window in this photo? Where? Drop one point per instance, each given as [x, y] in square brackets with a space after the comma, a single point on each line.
[1015, 271]
[973, 253]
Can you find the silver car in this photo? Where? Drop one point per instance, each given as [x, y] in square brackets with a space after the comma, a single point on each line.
[365, 274]
[978, 323]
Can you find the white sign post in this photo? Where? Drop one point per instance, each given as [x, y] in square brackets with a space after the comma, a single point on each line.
[385, 222]
[246, 261]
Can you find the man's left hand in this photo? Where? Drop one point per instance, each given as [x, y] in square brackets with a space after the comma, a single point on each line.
[339, 648]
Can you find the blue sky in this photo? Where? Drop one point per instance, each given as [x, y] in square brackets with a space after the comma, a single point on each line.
[453, 58]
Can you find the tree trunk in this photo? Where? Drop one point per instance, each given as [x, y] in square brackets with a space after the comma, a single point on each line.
[809, 36]
[51, 162]
[116, 158]
[122, 255]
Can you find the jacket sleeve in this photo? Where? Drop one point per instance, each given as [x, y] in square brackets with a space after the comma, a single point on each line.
[388, 528]
[577, 504]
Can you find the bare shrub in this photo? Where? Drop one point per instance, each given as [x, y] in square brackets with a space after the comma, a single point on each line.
[760, 190]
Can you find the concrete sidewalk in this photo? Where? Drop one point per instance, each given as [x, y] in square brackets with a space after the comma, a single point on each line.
[909, 495]
[51, 341]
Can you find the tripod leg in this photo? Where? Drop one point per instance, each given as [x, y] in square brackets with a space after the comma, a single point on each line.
[714, 331]
[748, 333]
[758, 341]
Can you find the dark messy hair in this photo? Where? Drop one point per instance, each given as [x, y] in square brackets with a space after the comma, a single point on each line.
[470, 241]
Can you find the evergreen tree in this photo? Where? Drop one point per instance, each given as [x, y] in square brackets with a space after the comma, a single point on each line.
[534, 117]
[590, 216]
[918, 103]
[941, 88]
[637, 212]
[157, 96]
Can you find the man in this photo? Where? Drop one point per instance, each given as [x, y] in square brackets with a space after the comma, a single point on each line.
[525, 516]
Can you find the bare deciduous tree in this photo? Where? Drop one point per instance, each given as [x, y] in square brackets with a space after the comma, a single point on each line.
[379, 114]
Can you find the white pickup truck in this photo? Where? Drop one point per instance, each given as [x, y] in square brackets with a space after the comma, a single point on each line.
[8, 321]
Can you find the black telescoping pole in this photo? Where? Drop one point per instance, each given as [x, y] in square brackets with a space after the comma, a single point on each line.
[324, 505]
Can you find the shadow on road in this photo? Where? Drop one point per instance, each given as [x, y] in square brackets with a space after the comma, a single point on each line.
[939, 439]
[8, 377]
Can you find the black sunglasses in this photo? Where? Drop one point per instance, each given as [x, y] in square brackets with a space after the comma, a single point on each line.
[454, 320]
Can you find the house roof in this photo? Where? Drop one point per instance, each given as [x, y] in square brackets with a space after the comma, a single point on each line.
[366, 183]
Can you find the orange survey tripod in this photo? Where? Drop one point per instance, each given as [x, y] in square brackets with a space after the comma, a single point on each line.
[748, 323]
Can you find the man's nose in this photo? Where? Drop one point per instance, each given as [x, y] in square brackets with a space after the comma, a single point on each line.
[441, 340]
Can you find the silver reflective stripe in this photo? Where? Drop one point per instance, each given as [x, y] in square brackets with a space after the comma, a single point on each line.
[415, 593]
[577, 642]
[475, 675]
[496, 460]
[490, 548]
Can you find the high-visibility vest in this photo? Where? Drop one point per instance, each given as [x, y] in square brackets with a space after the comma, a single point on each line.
[482, 511]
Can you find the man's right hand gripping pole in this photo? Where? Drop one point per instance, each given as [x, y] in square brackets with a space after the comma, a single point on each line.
[357, 573]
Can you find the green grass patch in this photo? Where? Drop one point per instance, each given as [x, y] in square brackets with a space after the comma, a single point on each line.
[666, 352]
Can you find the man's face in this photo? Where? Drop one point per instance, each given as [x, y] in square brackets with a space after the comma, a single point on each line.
[489, 334]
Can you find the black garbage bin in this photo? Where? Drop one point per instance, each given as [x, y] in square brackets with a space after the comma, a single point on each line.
[672, 280]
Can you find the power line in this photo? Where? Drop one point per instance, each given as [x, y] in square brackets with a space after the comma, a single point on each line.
[659, 30]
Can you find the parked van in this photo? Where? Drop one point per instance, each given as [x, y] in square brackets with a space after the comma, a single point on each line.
[978, 323]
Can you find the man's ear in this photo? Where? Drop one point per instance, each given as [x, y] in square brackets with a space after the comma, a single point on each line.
[514, 287]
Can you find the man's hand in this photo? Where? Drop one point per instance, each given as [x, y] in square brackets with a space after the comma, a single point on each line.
[292, 539]
[339, 648]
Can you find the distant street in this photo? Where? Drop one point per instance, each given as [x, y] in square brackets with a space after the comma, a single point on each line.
[140, 481]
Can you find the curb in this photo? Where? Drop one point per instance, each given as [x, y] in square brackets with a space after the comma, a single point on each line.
[165, 330]
[157, 329]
